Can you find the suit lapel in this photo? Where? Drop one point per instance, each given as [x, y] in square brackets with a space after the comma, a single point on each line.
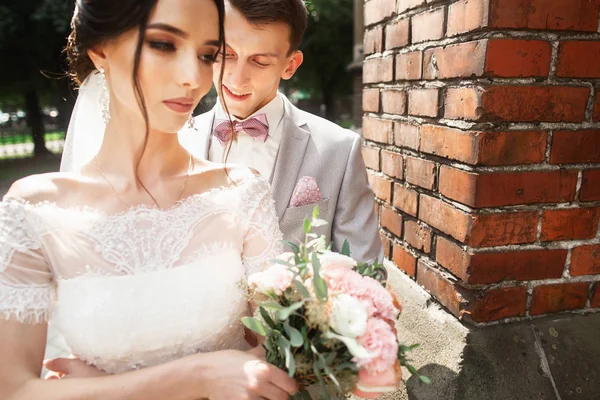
[289, 158]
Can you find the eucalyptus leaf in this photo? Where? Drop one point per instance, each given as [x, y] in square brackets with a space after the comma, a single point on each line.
[254, 325]
[307, 226]
[292, 246]
[285, 312]
[425, 379]
[319, 284]
[294, 334]
[346, 248]
[301, 289]
[267, 318]
[290, 363]
[282, 262]
[271, 305]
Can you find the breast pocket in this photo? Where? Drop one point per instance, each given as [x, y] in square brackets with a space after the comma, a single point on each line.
[299, 213]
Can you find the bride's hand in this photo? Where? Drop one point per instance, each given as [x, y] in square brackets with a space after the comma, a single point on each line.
[61, 368]
[237, 375]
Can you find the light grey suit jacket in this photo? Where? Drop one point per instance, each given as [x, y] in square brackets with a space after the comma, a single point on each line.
[314, 147]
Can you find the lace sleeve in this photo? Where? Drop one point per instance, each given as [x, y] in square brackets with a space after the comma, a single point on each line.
[262, 237]
[26, 290]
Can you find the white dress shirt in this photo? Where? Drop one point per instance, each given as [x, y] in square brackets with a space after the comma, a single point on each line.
[249, 151]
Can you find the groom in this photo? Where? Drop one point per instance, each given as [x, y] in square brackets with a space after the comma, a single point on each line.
[308, 160]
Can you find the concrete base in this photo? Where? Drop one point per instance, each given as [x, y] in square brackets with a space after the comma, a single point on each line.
[549, 358]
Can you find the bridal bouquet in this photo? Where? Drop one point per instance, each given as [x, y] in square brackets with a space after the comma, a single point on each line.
[328, 321]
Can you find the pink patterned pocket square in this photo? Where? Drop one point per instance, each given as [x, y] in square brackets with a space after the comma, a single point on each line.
[306, 192]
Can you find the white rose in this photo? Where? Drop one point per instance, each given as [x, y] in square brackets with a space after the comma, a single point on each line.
[332, 259]
[348, 316]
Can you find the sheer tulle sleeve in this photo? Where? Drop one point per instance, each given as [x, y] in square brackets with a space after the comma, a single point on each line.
[26, 289]
[262, 236]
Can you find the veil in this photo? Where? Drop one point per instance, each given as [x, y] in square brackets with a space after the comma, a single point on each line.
[86, 127]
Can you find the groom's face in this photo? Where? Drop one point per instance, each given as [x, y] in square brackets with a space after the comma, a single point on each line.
[257, 58]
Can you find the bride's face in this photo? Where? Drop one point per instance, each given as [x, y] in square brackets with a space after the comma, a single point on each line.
[175, 70]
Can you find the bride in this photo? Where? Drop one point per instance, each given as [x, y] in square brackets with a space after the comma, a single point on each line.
[144, 247]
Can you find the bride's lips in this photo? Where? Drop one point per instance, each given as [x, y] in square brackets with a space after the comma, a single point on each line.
[181, 105]
[233, 96]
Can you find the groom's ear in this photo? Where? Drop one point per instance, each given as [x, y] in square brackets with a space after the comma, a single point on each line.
[98, 56]
[295, 60]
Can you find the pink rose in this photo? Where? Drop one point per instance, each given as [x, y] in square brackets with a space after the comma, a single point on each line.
[372, 386]
[381, 343]
[277, 279]
[330, 259]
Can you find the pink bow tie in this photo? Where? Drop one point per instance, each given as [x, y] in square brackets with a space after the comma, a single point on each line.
[256, 127]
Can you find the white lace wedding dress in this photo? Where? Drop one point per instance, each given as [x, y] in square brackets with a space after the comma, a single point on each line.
[144, 286]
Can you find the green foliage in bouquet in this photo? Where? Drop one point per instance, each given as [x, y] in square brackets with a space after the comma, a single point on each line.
[296, 343]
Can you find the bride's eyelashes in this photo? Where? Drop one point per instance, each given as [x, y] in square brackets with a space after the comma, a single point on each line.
[163, 46]
[168, 47]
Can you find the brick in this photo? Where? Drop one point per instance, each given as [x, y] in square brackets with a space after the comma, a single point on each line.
[569, 224]
[373, 40]
[484, 148]
[396, 34]
[371, 157]
[452, 256]
[545, 14]
[440, 287]
[445, 217]
[393, 102]
[392, 221]
[559, 297]
[376, 208]
[428, 26]
[507, 188]
[509, 148]
[575, 147]
[378, 70]
[517, 58]
[386, 243]
[455, 61]
[406, 199]
[378, 10]
[404, 5]
[450, 143]
[420, 172]
[585, 260]
[590, 185]
[409, 66]
[596, 115]
[518, 103]
[406, 135]
[404, 260]
[466, 16]
[370, 100]
[463, 103]
[595, 302]
[502, 229]
[377, 130]
[423, 102]
[418, 236]
[382, 188]
[579, 59]
[391, 164]
[497, 304]
[494, 267]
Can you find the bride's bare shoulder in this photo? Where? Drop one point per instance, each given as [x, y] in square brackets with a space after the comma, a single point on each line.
[44, 187]
[223, 175]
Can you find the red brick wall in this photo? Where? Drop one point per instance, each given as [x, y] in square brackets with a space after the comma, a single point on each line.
[482, 140]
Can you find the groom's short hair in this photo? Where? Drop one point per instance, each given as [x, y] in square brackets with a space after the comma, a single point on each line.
[290, 12]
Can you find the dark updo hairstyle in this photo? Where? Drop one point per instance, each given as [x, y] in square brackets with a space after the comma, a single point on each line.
[96, 21]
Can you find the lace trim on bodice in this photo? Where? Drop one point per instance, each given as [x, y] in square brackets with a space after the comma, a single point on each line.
[138, 240]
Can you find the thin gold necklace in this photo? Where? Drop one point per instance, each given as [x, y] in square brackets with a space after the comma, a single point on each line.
[187, 177]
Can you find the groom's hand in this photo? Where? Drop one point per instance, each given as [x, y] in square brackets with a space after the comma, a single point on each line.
[71, 367]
